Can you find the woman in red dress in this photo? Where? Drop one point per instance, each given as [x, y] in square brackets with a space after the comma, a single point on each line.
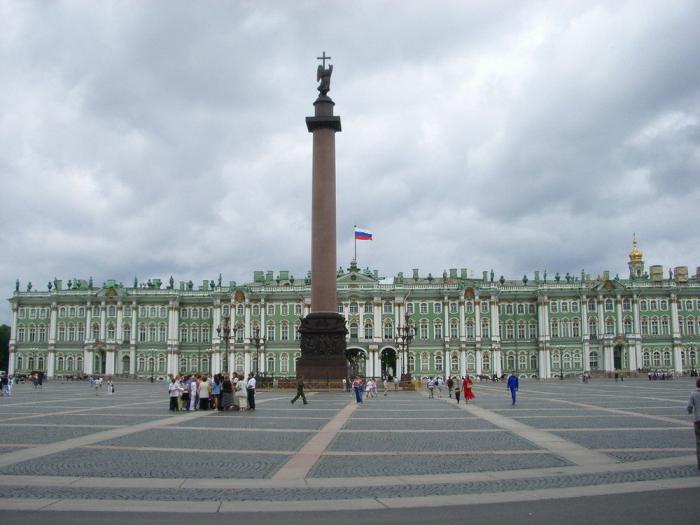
[467, 387]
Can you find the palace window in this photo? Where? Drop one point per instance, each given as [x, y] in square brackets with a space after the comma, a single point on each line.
[554, 307]
[61, 311]
[284, 334]
[339, 308]
[454, 329]
[183, 334]
[270, 309]
[646, 359]
[21, 313]
[509, 330]
[354, 308]
[32, 333]
[437, 327]
[353, 330]
[127, 311]
[593, 360]
[388, 307]
[163, 312]
[565, 306]
[270, 333]
[61, 332]
[531, 309]
[162, 333]
[574, 306]
[609, 305]
[297, 309]
[454, 363]
[533, 361]
[522, 361]
[509, 308]
[127, 332]
[643, 305]
[95, 331]
[609, 326]
[438, 362]
[645, 326]
[510, 361]
[591, 305]
[152, 332]
[470, 329]
[657, 358]
[368, 307]
[424, 308]
[284, 363]
[690, 326]
[469, 307]
[667, 358]
[486, 362]
[110, 331]
[653, 304]
[152, 311]
[627, 323]
[689, 305]
[270, 367]
[453, 308]
[142, 333]
[437, 308]
[471, 362]
[195, 313]
[256, 310]
[284, 309]
[183, 313]
[424, 362]
[664, 326]
[240, 310]
[111, 311]
[663, 305]
[576, 330]
[72, 311]
[423, 329]
[388, 330]
[411, 362]
[368, 330]
[555, 328]
[533, 329]
[521, 309]
[484, 307]
[42, 332]
[485, 328]
[654, 326]
[71, 332]
[566, 361]
[240, 332]
[593, 327]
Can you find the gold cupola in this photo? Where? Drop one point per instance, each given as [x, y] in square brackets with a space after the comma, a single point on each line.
[635, 255]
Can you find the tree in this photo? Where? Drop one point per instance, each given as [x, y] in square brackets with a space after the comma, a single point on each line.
[4, 346]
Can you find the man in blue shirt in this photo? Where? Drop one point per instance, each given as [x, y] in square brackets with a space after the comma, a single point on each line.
[512, 385]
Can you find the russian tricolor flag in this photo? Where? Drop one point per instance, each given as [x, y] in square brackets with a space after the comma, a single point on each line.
[362, 235]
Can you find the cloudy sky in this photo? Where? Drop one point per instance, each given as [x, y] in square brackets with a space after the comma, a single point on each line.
[146, 138]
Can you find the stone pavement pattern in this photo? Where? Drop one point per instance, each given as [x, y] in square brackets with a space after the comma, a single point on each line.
[66, 448]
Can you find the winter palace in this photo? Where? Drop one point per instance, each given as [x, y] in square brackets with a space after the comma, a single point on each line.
[540, 327]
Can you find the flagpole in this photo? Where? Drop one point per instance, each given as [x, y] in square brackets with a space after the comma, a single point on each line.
[355, 238]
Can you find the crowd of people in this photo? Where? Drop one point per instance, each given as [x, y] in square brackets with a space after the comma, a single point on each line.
[221, 392]
[6, 384]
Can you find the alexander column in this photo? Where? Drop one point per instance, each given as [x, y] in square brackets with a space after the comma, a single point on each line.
[323, 330]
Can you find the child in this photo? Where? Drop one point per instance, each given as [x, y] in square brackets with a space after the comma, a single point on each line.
[458, 392]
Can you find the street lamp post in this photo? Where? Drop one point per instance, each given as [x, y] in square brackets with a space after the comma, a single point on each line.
[227, 333]
[257, 341]
[404, 337]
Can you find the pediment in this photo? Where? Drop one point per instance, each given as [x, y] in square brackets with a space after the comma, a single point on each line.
[608, 286]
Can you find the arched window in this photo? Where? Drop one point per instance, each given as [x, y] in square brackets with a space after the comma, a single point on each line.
[284, 363]
[270, 333]
[576, 329]
[354, 308]
[555, 327]
[111, 311]
[664, 326]
[565, 328]
[470, 329]
[240, 311]
[533, 329]
[437, 329]
[566, 360]
[183, 334]
[162, 333]
[152, 332]
[485, 329]
[646, 359]
[81, 332]
[194, 333]
[424, 362]
[69, 363]
[454, 363]
[71, 332]
[593, 327]
[42, 332]
[654, 326]
[690, 326]
[627, 323]
[486, 362]
[20, 362]
[454, 329]
[30, 363]
[153, 312]
[59, 364]
[556, 361]
[240, 331]
[284, 335]
[110, 331]
[141, 364]
[533, 361]
[667, 358]
[95, 331]
[240, 363]
[295, 333]
[79, 364]
[509, 330]
[32, 333]
[270, 366]
[522, 361]
[471, 362]
[608, 305]
[388, 330]
[645, 326]
[423, 329]
[438, 363]
[163, 312]
[521, 329]
[510, 361]
[411, 362]
[610, 326]
[368, 330]
[61, 332]
[577, 361]
[41, 363]
[657, 358]
[353, 330]
[20, 334]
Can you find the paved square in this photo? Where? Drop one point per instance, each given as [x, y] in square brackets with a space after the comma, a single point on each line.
[64, 445]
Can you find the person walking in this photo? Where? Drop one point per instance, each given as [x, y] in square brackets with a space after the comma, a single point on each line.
[357, 388]
[396, 383]
[216, 392]
[694, 407]
[300, 390]
[110, 386]
[512, 385]
[250, 389]
[174, 390]
[450, 386]
[467, 387]
[458, 392]
[431, 387]
[204, 392]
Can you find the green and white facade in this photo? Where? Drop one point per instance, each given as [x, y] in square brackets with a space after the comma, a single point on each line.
[538, 327]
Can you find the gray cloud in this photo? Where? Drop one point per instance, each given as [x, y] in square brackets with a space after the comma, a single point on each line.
[167, 138]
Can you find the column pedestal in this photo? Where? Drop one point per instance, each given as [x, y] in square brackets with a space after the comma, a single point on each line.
[323, 347]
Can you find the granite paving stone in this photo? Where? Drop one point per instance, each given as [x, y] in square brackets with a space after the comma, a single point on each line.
[149, 464]
[628, 456]
[418, 424]
[415, 441]
[594, 422]
[37, 435]
[172, 437]
[676, 438]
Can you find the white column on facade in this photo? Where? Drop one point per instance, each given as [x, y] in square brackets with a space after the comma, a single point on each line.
[246, 327]
[446, 320]
[462, 362]
[51, 363]
[120, 321]
[88, 322]
[263, 312]
[134, 323]
[618, 311]
[635, 316]
[246, 363]
[346, 315]
[477, 319]
[378, 328]
[462, 322]
[675, 322]
[103, 321]
[601, 317]
[53, 311]
[132, 361]
[216, 323]
[13, 338]
[585, 336]
[479, 363]
[495, 322]
[109, 362]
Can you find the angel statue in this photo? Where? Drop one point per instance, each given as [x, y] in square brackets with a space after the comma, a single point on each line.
[324, 75]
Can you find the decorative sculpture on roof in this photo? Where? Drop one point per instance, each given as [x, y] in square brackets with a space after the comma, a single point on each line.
[17, 285]
[29, 286]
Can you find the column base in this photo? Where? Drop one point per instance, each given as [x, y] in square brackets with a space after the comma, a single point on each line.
[323, 347]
